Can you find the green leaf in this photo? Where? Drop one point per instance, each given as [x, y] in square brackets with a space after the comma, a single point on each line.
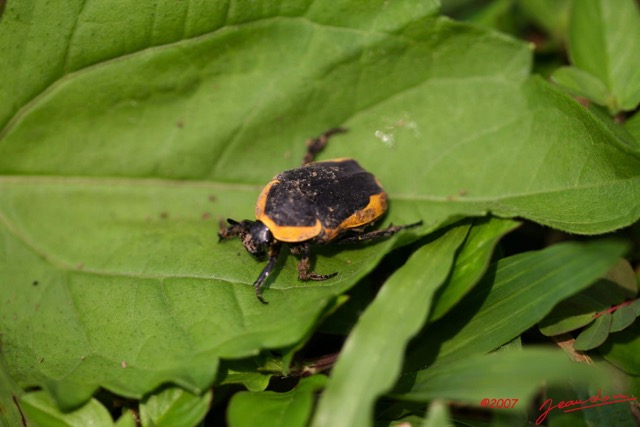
[622, 349]
[579, 310]
[127, 419]
[622, 274]
[379, 338]
[9, 397]
[248, 372]
[635, 306]
[581, 83]
[503, 375]
[438, 415]
[550, 15]
[41, 410]
[604, 40]
[571, 314]
[516, 294]
[271, 409]
[494, 14]
[594, 334]
[470, 263]
[132, 128]
[632, 125]
[621, 318]
[174, 406]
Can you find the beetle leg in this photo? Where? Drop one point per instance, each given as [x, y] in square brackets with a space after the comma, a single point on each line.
[315, 145]
[305, 265]
[274, 252]
[389, 231]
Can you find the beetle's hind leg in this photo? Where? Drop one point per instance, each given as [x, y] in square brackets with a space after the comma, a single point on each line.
[315, 145]
[377, 234]
[305, 264]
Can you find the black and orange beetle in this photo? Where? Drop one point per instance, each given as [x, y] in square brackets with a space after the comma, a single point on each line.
[315, 204]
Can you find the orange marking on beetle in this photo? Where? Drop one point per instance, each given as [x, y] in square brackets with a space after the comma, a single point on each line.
[292, 234]
[289, 234]
[262, 200]
[376, 208]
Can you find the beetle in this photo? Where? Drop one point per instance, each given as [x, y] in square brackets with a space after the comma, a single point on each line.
[316, 204]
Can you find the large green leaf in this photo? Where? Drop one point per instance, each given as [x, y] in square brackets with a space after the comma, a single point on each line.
[131, 125]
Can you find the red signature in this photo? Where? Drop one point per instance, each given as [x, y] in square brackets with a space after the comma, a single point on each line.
[578, 405]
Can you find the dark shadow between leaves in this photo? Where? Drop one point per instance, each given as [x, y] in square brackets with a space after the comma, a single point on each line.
[423, 350]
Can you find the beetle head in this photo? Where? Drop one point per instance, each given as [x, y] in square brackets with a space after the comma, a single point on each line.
[255, 236]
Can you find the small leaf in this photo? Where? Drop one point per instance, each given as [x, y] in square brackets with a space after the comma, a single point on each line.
[621, 318]
[595, 334]
[579, 310]
[617, 285]
[573, 313]
[127, 419]
[604, 40]
[254, 373]
[437, 415]
[174, 406]
[253, 381]
[581, 83]
[41, 410]
[271, 409]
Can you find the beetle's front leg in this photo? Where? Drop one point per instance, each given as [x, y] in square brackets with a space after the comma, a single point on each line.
[305, 264]
[274, 253]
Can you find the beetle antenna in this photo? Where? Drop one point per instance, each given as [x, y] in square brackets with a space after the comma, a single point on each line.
[234, 229]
